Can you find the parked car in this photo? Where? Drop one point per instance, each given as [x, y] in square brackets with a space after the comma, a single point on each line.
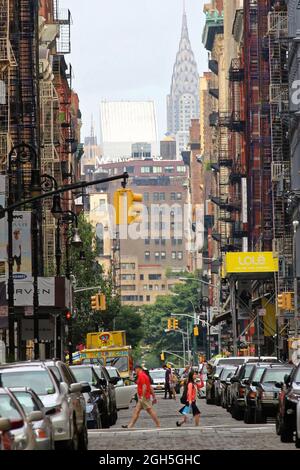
[43, 429]
[86, 373]
[225, 376]
[267, 392]
[236, 390]
[297, 442]
[124, 393]
[220, 381]
[38, 377]
[109, 387]
[202, 370]
[289, 398]
[212, 376]
[158, 377]
[250, 392]
[16, 427]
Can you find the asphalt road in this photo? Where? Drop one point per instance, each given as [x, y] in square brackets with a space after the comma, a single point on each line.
[217, 431]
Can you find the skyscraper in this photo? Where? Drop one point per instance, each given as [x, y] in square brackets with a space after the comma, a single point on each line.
[183, 100]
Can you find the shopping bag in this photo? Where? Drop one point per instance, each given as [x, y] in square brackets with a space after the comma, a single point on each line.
[186, 410]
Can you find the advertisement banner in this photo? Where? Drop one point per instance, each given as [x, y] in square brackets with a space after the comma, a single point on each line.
[21, 246]
[251, 262]
[24, 292]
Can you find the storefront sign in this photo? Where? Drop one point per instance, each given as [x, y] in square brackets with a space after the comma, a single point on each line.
[251, 262]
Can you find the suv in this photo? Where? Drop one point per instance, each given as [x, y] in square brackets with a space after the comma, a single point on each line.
[236, 392]
[86, 373]
[212, 376]
[289, 398]
[267, 392]
[55, 396]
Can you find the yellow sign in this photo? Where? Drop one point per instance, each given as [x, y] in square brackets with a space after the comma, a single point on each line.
[251, 262]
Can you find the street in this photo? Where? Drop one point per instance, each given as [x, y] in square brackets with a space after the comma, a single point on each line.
[217, 431]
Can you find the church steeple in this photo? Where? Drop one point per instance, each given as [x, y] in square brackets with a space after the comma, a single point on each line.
[183, 101]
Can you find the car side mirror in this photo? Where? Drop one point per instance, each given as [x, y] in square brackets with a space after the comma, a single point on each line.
[216, 377]
[254, 383]
[102, 382]
[246, 382]
[233, 379]
[278, 384]
[35, 416]
[5, 424]
[85, 387]
[16, 423]
[76, 388]
[64, 389]
[114, 380]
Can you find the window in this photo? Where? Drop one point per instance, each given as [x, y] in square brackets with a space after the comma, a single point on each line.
[132, 298]
[145, 169]
[163, 241]
[162, 196]
[141, 298]
[156, 242]
[150, 287]
[147, 241]
[154, 277]
[128, 277]
[157, 255]
[173, 196]
[146, 197]
[130, 169]
[145, 287]
[178, 196]
[128, 266]
[155, 196]
[141, 277]
[181, 169]
[169, 169]
[179, 255]
[173, 254]
[156, 287]
[173, 240]
[163, 255]
[148, 298]
[129, 287]
[147, 255]
[157, 169]
[179, 241]
[163, 287]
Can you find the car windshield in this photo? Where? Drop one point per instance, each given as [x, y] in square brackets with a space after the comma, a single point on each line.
[275, 375]
[113, 372]
[121, 363]
[39, 380]
[158, 374]
[84, 374]
[8, 408]
[226, 372]
[258, 374]
[247, 371]
[26, 401]
[218, 370]
[297, 376]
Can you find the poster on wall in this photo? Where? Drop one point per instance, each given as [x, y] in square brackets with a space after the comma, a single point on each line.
[21, 246]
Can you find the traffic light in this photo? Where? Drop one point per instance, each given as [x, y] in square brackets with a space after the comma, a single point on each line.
[102, 302]
[95, 302]
[68, 315]
[162, 356]
[281, 301]
[170, 323]
[127, 211]
[289, 301]
[175, 324]
[196, 331]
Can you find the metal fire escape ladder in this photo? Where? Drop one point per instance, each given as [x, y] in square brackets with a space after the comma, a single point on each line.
[279, 100]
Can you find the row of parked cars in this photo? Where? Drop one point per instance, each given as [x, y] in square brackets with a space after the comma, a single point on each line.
[254, 389]
[50, 405]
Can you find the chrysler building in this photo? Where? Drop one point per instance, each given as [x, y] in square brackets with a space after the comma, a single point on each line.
[183, 100]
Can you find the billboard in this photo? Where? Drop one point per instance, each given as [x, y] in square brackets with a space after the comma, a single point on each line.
[22, 267]
[251, 262]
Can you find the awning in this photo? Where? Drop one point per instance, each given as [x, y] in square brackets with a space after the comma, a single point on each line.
[221, 317]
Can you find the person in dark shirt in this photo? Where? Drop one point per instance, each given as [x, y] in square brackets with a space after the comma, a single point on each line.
[167, 382]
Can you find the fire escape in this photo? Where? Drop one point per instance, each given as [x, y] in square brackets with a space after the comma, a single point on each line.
[279, 100]
[7, 62]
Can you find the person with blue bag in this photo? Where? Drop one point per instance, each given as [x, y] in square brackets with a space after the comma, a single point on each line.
[188, 399]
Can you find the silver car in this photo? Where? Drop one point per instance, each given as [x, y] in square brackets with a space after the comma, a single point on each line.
[53, 394]
[17, 424]
[43, 429]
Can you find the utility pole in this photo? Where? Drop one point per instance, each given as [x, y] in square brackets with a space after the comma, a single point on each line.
[233, 313]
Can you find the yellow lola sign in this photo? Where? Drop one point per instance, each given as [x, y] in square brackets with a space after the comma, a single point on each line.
[251, 262]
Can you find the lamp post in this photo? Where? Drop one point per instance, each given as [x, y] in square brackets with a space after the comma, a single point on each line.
[22, 154]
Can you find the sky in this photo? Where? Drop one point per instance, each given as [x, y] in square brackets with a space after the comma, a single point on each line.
[126, 49]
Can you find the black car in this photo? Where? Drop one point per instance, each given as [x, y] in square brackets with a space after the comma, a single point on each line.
[236, 391]
[225, 383]
[268, 393]
[289, 397]
[220, 381]
[250, 394]
[109, 387]
[212, 376]
[86, 373]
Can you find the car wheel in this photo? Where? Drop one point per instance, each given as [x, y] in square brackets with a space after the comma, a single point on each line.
[297, 443]
[286, 434]
[83, 439]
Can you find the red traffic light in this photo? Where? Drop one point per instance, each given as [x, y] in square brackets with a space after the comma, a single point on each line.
[68, 315]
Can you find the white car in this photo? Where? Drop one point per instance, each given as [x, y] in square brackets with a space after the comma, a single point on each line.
[159, 379]
[124, 393]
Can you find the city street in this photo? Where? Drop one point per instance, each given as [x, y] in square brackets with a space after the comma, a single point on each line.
[217, 431]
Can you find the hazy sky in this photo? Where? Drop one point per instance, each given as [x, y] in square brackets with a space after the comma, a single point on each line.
[125, 49]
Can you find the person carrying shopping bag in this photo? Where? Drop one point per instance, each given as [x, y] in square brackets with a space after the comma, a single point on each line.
[188, 398]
